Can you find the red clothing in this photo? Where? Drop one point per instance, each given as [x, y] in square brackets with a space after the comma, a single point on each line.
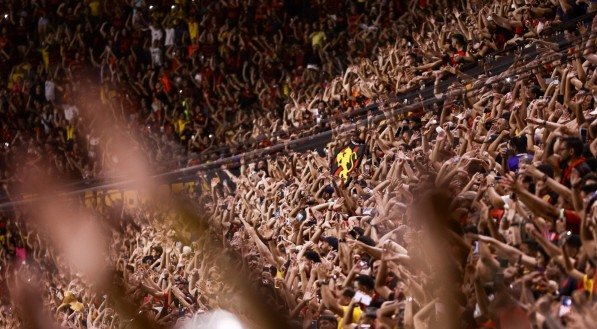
[488, 324]
[461, 53]
[175, 63]
[353, 22]
[573, 221]
[166, 83]
[496, 213]
[192, 49]
[568, 170]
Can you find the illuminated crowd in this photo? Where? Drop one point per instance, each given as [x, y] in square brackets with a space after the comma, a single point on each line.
[472, 208]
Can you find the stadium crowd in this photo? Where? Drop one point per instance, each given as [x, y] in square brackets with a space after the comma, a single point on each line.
[509, 159]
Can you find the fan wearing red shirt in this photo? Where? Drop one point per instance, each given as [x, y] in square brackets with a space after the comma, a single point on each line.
[570, 150]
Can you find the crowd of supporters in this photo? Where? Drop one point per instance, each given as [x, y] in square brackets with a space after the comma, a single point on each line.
[205, 78]
[473, 210]
[198, 75]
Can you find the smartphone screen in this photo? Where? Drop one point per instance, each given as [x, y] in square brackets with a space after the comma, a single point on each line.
[362, 298]
[565, 306]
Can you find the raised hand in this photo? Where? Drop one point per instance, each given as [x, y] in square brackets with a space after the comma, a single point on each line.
[510, 181]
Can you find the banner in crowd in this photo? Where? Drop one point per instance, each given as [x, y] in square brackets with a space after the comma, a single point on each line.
[132, 197]
[347, 160]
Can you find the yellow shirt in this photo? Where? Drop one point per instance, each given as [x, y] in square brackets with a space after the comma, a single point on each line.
[193, 30]
[70, 132]
[45, 56]
[180, 125]
[317, 38]
[94, 6]
[286, 89]
[356, 315]
[588, 285]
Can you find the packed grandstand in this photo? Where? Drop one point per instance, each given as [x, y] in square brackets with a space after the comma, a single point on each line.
[298, 164]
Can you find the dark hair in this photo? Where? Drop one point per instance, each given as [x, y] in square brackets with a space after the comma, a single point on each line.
[575, 144]
[366, 240]
[505, 116]
[536, 90]
[312, 256]
[348, 292]
[158, 249]
[371, 312]
[356, 232]
[583, 169]
[590, 188]
[574, 241]
[328, 317]
[459, 38]
[147, 260]
[471, 229]
[332, 241]
[546, 169]
[366, 281]
[533, 246]
[592, 163]
[271, 270]
[519, 143]
[415, 119]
